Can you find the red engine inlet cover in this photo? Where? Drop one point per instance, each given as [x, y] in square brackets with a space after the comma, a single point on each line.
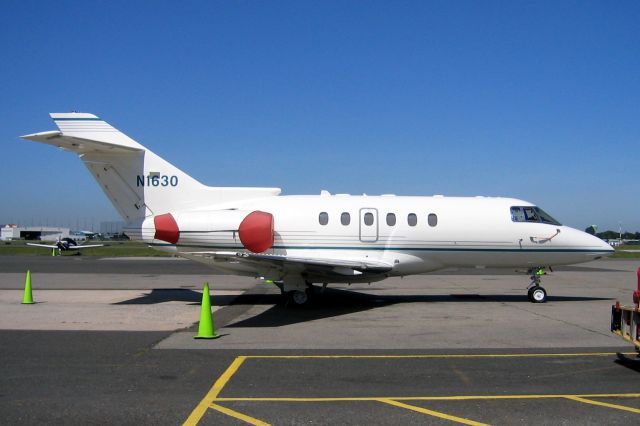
[256, 231]
[166, 228]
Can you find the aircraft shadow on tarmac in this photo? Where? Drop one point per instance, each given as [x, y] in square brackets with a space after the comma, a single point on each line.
[162, 295]
[336, 302]
[330, 299]
[331, 303]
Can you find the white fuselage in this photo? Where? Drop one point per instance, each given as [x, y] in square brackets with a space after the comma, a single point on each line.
[464, 232]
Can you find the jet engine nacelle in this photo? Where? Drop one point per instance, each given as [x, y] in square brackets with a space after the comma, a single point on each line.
[254, 229]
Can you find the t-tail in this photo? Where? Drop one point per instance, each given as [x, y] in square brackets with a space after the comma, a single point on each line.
[138, 182]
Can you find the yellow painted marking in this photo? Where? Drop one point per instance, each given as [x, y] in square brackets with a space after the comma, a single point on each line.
[432, 413]
[604, 404]
[239, 416]
[212, 396]
[444, 356]
[429, 398]
[207, 401]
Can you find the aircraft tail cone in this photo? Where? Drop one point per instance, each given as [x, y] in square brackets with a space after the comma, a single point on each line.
[205, 327]
[27, 299]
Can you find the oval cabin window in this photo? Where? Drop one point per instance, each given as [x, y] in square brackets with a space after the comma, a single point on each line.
[323, 218]
[368, 219]
[432, 219]
[391, 219]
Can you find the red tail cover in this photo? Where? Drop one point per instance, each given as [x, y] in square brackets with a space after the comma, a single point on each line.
[256, 231]
[166, 228]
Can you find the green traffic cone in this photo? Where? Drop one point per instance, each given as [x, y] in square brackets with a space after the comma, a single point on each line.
[27, 299]
[53, 252]
[205, 327]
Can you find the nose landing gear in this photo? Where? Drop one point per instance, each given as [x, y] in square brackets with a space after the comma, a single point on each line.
[536, 293]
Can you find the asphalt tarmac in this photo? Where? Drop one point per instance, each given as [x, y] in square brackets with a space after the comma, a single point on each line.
[458, 347]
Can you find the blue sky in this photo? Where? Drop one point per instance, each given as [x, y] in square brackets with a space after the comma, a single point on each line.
[533, 100]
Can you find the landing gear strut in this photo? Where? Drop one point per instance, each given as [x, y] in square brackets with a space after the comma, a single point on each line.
[536, 293]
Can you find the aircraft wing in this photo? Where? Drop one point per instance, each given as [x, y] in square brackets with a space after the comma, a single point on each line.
[283, 264]
[42, 245]
[84, 246]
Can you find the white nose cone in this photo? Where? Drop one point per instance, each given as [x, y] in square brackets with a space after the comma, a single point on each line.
[590, 246]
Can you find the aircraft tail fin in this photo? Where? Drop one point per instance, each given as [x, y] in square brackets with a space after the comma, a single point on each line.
[138, 182]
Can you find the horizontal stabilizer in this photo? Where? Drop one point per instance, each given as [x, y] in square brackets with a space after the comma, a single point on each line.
[82, 133]
[78, 145]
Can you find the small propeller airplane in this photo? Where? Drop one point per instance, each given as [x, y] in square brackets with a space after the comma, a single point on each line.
[297, 241]
[65, 244]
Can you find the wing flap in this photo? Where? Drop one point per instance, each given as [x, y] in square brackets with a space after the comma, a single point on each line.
[335, 266]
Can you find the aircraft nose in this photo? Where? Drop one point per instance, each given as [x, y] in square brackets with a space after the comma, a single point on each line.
[589, 245]
[606, 246]
[601, 245]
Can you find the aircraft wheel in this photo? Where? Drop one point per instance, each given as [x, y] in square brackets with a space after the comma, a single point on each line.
[537, 294]
[298, 297]
[529, 296]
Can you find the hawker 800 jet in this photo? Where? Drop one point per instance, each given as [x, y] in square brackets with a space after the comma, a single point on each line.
[297, 241]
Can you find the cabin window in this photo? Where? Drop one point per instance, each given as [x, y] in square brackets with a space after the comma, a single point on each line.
[323, 218]
[412, 219]
[432, 220]
[532, 214]
[368, 219]
[345, 218]
[391, 219]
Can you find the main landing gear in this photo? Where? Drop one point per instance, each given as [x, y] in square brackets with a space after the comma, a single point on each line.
[536, 293]
[296, 293]
[299, 297]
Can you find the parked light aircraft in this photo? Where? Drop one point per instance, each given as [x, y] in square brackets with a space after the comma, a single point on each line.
[65, 244]
[300, 240]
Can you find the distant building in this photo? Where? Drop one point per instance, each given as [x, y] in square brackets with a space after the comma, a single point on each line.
[41, 233]
[111, 228]
[8, 232]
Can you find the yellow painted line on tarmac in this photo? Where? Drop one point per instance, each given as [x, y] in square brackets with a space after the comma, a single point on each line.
[207, 401]
[604, 404]
[438, 414]
[239, 416]
[212, 395]
[444, 356]
[425, 398]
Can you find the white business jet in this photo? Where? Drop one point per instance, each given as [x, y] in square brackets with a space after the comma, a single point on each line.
[299, 240]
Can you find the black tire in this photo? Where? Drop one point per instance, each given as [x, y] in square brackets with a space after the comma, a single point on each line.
[538, 294]
[298, 298]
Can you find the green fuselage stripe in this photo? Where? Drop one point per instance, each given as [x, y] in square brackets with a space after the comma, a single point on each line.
[439, 249]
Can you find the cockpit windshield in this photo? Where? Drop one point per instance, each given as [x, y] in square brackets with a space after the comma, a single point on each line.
[532, 214]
